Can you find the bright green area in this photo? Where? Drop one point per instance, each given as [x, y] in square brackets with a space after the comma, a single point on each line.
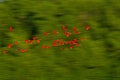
[98, 58]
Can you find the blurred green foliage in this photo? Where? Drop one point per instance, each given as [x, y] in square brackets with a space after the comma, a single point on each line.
[98, 57]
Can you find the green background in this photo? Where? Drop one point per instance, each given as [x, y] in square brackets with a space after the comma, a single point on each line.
[98, 58]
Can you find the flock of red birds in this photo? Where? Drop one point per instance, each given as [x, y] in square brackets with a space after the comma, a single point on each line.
[58, 42]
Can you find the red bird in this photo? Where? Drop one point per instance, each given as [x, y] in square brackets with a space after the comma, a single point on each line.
[45, 33]
[77, 44]
[34, 38]
[64, 28]
[71, 42]
[23, 51]
[16, 43]
[61, 43]
[76, 32]
[38, 40]
[55, 32]
[10, 29]
[43, 47]
[54, 44]
[4, 51]
[9, 45]
[26, 41]
[66, 42]
[75, 29]
[87, 28]
[58, 40]
[71, 47]
[75, 40]
[31, 42]
[67, 34]
[82, 39]
[47, 47]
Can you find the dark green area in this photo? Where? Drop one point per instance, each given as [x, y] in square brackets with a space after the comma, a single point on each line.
[98, 58]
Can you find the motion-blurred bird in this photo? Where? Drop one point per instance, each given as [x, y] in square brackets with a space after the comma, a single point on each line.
[87, 28]
[10, 29]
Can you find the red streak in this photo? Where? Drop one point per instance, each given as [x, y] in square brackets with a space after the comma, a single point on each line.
[16, 43]
[4, 51]
[43, 47]
[82, 39]
[87, 28]
[75, 29]
[31, 42]
[54, 44]
[9, 45]
[67, 34]
[45, 33]
[38, 40]
[55, 32]
[34, 38]
[76, 32]
[47, 47]
[64, 28]
[11, 29]
[71, 47]
[26, 41]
